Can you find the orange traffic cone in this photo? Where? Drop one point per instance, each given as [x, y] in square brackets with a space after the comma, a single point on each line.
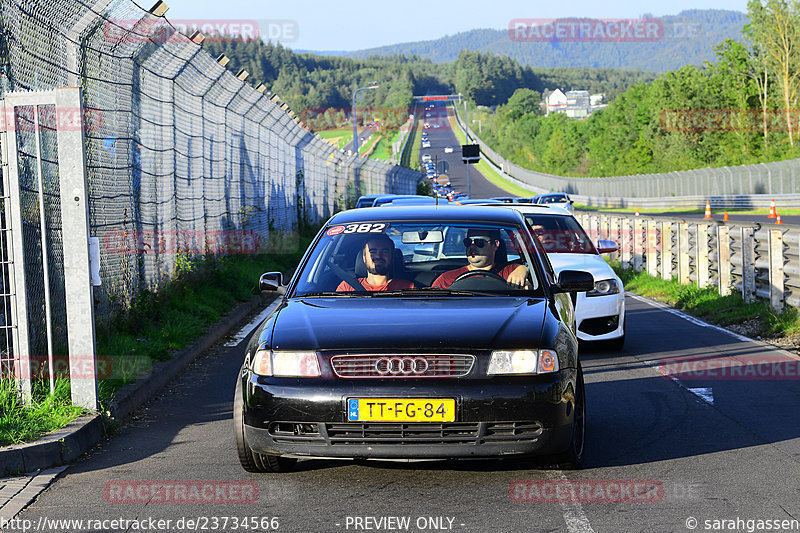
[773, 212]
[725, 218]
[637, 212]
[708, 210]
[779, 220]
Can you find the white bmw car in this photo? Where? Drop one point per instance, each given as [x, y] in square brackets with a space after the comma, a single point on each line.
[600, 313]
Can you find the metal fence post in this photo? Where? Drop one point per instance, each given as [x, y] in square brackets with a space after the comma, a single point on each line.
[748, 265]
[652, 249]
[666, 250]
[614, 235]
[593, 233]
[701, 255]
[683, 253]
[77, 277]
[604, 227]
[637, 244]
[626, 243]
[724, 260]
[776, 279]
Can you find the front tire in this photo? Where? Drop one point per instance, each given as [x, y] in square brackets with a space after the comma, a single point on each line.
[572, 457]
[250, 460]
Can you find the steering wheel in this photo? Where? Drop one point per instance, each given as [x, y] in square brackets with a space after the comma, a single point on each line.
[479, 273]
[481, 280]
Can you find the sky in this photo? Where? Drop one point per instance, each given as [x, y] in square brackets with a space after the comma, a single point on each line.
[326, 25]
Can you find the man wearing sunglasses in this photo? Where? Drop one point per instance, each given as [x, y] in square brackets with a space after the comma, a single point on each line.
[481, 247]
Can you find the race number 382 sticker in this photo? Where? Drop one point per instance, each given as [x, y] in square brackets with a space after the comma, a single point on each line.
[367, 227]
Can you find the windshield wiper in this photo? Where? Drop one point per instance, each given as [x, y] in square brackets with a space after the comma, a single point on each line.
[333, 294]
[429, 291]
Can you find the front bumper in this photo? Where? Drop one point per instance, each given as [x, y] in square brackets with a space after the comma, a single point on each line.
[494, 417]
[604, 316]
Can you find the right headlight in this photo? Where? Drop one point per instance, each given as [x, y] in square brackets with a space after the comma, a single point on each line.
[522, 362]
[286, 364]
[604, 288]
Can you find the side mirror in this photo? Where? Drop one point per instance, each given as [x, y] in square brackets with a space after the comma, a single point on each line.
[575, 281]
[272, 282]
[605, 246]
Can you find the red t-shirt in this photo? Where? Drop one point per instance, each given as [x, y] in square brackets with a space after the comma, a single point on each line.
[445, 280]
[393, 285]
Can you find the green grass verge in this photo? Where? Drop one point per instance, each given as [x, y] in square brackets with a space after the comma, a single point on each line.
[203, 290]
[343, 136]
[707, 303]
[383, 150]
[48, 413]
[488, 172]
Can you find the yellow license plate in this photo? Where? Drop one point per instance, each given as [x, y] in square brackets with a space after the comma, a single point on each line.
[401, 410]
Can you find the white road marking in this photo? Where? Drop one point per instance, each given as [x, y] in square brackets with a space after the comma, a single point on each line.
[576, 520]
[688, 317]
[253, 324]
[704, 393]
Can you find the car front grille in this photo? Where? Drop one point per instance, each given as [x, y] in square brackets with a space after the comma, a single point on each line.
[409, 366]
[468, 433]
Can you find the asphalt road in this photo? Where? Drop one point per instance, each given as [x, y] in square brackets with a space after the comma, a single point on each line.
[713, 449]
[443, 136]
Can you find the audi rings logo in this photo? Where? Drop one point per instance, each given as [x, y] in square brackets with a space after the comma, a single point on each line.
[401, 366]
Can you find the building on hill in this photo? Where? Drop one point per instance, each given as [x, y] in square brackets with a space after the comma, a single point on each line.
[575, 104]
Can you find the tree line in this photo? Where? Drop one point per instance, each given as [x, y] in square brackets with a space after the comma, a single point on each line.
[741, 108]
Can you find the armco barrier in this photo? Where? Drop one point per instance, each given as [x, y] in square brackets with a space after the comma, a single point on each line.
[757, 261]
[743, 187]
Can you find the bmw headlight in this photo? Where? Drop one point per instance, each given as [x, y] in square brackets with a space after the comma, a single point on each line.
[286, 364]
[523, 362]
[604, 288]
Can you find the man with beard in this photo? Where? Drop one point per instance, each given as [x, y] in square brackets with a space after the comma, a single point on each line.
[378, 253]
[482, 245]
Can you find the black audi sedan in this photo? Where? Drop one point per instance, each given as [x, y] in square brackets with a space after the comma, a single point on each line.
[415, 332]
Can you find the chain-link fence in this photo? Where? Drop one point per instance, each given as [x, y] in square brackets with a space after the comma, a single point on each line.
[746, 186]
[183, 156]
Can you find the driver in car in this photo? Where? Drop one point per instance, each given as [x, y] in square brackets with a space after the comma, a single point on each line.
[378, 253]
[481, 245]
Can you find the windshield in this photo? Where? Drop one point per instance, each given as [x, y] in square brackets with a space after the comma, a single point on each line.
[417, 258]
[560, 234]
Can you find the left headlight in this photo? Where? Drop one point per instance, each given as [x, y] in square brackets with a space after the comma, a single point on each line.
[286, 364]
[604, 288]
[523, 362]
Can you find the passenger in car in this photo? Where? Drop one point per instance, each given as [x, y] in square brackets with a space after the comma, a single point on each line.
[378, 255]
[482, 246]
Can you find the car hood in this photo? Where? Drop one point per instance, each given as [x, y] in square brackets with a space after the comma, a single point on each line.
[592, 263]
[383, 323]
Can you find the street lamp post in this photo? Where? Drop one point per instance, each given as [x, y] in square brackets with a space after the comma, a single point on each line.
[355, 135]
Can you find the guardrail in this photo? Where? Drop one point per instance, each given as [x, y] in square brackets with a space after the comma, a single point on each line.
[759, 262]
[741, 187]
